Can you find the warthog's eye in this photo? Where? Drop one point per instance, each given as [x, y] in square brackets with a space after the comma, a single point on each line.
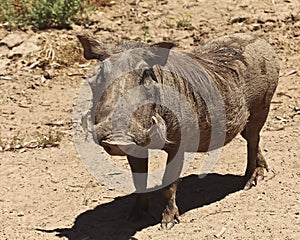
[147, 78]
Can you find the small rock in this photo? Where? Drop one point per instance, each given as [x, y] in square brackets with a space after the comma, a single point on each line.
[111, 3]
[28, 46]
[219, 234]
[76, 28]
[134, 3]
[7, 147]
[296, 17]
[13, 39]
[4, 50]
[18, 146]
[20, 214]
[48, 74]
[5, 78]
[291, 72]
[281, 119]
[33, 65]
[255, 27]
[263, 20]
[296, 34]
[23, 150]
[3, 66]
[3, 33]
[238, 19]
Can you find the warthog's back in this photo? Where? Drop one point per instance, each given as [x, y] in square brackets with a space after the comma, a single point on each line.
[254, 60]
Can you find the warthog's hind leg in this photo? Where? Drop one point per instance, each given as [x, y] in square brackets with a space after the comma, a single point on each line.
[256, 163]
[258, 173]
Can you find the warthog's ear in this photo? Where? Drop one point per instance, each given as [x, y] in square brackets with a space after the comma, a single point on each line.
[160, 53]
[92, 48]
[167, 45]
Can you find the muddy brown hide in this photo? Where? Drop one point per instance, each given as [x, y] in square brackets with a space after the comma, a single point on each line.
[227, 86]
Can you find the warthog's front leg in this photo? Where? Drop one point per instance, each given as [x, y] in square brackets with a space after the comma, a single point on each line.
[139, 168]
[170, 215]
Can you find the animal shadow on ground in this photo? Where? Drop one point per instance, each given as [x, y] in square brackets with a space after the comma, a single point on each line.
[109, 221]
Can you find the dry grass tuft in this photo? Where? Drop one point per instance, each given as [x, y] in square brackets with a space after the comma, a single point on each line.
[18, 141]
[63, 52]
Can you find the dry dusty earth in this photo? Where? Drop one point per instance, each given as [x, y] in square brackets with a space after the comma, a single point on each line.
[46, 192]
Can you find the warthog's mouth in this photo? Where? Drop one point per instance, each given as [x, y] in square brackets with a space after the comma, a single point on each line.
[117, 147]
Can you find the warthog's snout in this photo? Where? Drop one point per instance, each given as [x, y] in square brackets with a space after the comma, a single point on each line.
[118, 148]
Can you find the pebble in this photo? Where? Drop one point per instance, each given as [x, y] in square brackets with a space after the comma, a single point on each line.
[20, 214]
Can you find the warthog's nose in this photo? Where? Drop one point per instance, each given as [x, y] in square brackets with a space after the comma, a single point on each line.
[117, 148]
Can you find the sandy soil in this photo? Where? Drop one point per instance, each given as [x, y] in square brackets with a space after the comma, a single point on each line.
[46, 192]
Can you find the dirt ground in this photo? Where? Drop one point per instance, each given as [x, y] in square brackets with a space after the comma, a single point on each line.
[46, 192]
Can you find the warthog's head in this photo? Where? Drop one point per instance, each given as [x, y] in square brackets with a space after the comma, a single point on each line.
[124, 111]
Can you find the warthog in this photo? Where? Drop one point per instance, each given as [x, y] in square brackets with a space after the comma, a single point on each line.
[149, 96]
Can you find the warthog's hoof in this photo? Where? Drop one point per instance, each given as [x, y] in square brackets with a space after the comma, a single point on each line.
[170, 218]
[256, 176]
